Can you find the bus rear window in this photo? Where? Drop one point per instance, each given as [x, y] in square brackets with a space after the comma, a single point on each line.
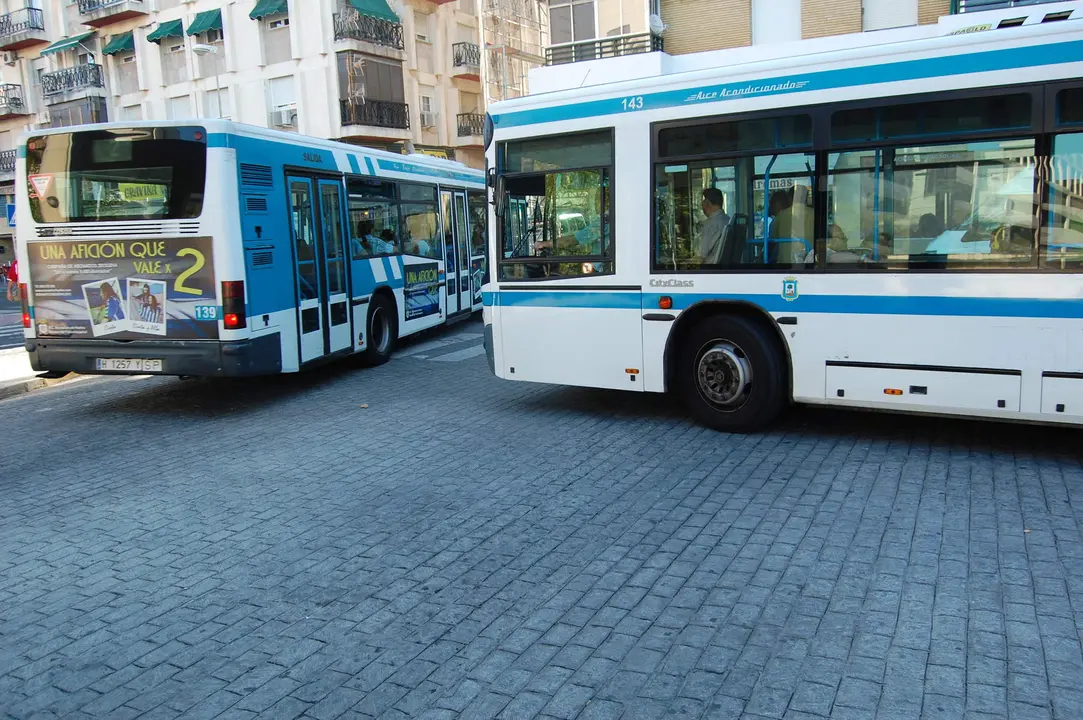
[117, 174]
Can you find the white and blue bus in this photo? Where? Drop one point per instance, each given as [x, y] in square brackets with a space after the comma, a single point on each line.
[210, 248]
[889, 220]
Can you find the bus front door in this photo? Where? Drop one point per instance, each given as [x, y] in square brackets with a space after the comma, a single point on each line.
[319, 235]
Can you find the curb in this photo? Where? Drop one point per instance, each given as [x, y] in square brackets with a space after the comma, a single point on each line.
[26, 385]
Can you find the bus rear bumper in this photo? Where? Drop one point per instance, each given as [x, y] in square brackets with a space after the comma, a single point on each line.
[204, 358]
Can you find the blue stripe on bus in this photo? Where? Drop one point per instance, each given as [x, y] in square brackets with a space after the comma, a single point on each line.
[829, 304]
[368, 163]
[354, 166]
[406, 167]
[977, 62]
[20, 152]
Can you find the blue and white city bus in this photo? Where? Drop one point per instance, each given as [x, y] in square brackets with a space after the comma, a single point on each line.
[211, 248]
[888, 220]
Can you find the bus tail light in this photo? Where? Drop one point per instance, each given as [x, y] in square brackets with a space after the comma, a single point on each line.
[233, 314]
[25, 302]
[892, 391]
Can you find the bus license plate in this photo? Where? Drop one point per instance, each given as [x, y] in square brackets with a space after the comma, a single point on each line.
[129, 365]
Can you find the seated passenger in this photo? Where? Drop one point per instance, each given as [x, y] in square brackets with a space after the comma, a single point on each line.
[387, 238]
[838, 248]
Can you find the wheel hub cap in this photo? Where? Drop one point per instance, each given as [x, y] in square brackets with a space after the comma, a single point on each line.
[724, 374]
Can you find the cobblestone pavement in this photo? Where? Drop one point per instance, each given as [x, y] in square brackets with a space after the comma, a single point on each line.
[469, 547]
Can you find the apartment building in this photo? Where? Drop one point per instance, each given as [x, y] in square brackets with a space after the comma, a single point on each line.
[592, 29]
[373, 72]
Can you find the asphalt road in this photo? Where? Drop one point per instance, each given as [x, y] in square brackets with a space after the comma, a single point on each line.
[424, 540]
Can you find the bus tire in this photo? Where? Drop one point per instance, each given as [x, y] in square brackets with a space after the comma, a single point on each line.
[731, 375]
[382, 331]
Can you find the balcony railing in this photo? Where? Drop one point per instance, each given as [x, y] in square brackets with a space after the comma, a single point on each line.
[470, 124]
[7, 161]
[11, 100]
[376, 113]
[21, 21]
[89, 6]
[73, 78]
[466, 55]
[352, 25]
[602, 48]
[963, 6]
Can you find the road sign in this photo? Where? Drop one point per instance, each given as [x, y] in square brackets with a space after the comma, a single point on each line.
[11, 215]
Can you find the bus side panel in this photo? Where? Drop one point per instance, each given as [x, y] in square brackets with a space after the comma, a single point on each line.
[268, 257]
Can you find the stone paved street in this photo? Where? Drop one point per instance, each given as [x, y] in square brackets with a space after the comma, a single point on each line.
[470, 547]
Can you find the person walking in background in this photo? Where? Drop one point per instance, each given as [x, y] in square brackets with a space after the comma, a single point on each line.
[13, 281]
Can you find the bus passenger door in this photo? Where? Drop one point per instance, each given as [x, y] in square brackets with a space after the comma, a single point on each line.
[462, 236]
[451, 252]
[307, 275]
[336, 301]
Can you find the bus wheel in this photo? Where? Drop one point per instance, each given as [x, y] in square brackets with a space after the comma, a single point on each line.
[731, 374]
[381, 331]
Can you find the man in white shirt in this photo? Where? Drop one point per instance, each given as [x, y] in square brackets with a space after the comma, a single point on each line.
[712, 229]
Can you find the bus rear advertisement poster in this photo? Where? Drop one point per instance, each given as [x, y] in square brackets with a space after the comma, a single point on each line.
[124, 289]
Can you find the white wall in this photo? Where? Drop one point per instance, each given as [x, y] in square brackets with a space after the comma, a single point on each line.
[776, 21]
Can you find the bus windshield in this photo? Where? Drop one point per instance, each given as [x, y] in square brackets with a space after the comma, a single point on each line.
[117, 174]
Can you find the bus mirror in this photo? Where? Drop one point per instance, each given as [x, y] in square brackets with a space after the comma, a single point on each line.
[490, 177]
[498, 196]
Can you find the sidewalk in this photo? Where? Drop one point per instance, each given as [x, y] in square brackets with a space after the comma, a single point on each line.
[16, 375]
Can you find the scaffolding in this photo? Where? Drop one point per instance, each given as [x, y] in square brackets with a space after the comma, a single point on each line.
[515, 34]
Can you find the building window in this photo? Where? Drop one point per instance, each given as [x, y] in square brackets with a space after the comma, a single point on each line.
[216, 103]
[556, 207]
[179, 108]
[275, 32]
[174, 65]
[571, 22]
[127, 74]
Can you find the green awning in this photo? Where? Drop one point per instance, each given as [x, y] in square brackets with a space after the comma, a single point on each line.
[66, 43]
[125, 42]
[268, 7]
[207, 20]
[173, 28]
[375, 8]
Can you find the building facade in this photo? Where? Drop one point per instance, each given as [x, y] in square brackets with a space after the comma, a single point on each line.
[594, 29]
[365, 71]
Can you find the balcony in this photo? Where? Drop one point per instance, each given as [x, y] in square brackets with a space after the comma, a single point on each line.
[964, 6]
[352, 25]
[97, 13]
[12, 102]
[471, 127]
[599, 48]
[22, 28]
[80, 77]
[466, 59]
[7, 164]
[376, 113]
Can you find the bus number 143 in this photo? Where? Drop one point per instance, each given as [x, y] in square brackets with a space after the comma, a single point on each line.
[633, 103]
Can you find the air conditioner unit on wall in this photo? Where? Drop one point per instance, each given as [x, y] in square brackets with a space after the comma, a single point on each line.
[44, 117]
[285, 117]
[10, 58]
[428, 119]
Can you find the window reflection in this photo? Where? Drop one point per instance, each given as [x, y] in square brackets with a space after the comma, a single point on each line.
[943, 205]
[735, 212]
